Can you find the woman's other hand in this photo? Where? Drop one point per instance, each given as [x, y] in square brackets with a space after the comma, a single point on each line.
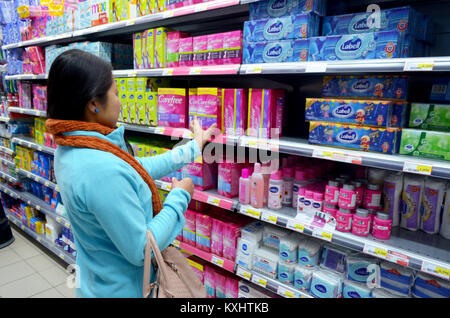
[185, 184]
[201, 136]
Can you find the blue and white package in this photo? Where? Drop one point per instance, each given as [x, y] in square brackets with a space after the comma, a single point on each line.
[288, 248]
[375, 45]
[397, 19]
[334, 258]
[283, 28]
[276, 51]
[308, 252]
[272, 236]
[396, 278]
[286, 273]
[363, 269]
[303, 277]
[440, 92]
[280, 8]
[390, 87]
[427, 286]
[352, 289]
[326, 284]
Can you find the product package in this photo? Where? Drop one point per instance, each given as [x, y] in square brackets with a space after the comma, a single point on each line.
[232, 46]
[118, 10]
[430, 117]
[185, 50]
[265, 261]
[411, 200]
[228, 181]
[234, 111]
[276, 51]
[351, 289]
[360, 112]
[160, 35]
[432, 201]
[363, 269]
[392, 189]
[326, 284]
[427, 286]
[172, 107]
[283, 28]
[200, 50]
[203, 175]
[383, 140]
[207, 106]
[376, 45]
[334, 258]
[215, 49]
[173, 46]
[274, 9]
[445, 226]
[426, 144]
[440, 91]
[265, 112]
[396, 279]
[374, 87]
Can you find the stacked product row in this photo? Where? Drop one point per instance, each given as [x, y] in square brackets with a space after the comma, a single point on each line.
[30, 60]
[162, 47]
[327, 271]
[36, 162]
[32, 96]
[290, 33]
[40, 223]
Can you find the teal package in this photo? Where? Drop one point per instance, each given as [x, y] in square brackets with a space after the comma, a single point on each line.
[276, 51]
[362, 270]
[355, 290]
[375, 45]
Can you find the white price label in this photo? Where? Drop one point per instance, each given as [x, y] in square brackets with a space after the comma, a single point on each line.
[323, 235]
[375, 251]
[337, 156]
[242, 272]
[251, 212]
[159, 130]
[38, 207]
[217, 260]
[436, 269]
[418, 168]
[195, 70]
[282, 291]
[201, 7]
[419, 66]
[167, 72]
[61, 255]
[168, 14]
[213, 201]
[268, 217]
[316, 67]
[254, 69]
[259, 281]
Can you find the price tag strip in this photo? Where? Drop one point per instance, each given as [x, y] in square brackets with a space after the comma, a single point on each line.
[337, 156]
[217, 261]
[436, 269]
[259, 280]
[252, 212]
[269, 217]
[418, 168]
[413, 66]
[386, 254]
[288, 293]
[244, 273]
[253, 69]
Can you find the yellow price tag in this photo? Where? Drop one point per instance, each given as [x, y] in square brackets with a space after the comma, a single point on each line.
[289, 294]
[214, 201]
[425, 169]
[327, 154]
[380, 252]
[426, 66]
[443, 271]
[272, 219]
[299, 227]
[254, 213]
[327, 236]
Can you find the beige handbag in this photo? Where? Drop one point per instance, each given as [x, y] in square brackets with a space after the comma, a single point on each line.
[175, 277]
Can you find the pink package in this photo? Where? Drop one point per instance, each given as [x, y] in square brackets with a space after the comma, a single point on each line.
[172, 107]
[192, 112]
[198, 266]
[215, 49]
[35, 53]
[173, 47]
[265, 112]
[217, 237]
[228, 180]
[189, 228]
[203, 225]
[203, 175]
[234, 111]
[208, 106]
[221, 278]
[38, 67]
[186, 52]
[200, 49]
[231, 233]
[231, 287]
[232, 45]
[209, 281]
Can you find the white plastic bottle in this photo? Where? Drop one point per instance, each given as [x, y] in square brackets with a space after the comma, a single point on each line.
[288, 183]
[257, 188]
[301, 180]
[275, 193]
[244, 187]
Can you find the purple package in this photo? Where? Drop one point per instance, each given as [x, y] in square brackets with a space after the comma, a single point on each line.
[232, 45]
[411, 198]
[200, 48]
[432, 201]
[215, 49]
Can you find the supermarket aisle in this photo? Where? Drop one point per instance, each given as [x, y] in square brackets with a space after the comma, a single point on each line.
[27, 271]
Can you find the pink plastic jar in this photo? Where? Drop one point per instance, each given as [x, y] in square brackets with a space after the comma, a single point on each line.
[347, 197]
[361, 223]
[344, 220]
[332, 192]
[330, 209]
[382, 226]
[372, 214]
[359, 192]
[372, 196]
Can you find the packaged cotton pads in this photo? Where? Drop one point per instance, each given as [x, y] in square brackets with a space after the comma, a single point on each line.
[288, 248]
[355, 290]
[363, 270]
[272, 236]
[308, 252]
[392, 190]
[326, 284]
[334, 258]
[265, 261]
[432, 199]
[396, 278]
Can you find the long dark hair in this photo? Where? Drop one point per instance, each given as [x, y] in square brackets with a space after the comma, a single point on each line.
[75, 78]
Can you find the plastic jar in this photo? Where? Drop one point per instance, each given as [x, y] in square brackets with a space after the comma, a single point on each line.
[332, 192]
[330, 209]
[372, 196]
[347, 197]
[359, 192]
[382, 226]
[344, 220]
[361, 222]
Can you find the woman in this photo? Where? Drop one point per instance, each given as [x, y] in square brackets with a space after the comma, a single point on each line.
[109, 198]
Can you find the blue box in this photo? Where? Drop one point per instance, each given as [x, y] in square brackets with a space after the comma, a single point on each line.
[440, 92]
[281, 8]
[375, 45]
[276, 51]
[284, 28]
[358, 112]
[383, 140]
[389, 87]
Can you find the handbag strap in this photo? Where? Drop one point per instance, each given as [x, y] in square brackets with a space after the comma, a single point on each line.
[162, 270]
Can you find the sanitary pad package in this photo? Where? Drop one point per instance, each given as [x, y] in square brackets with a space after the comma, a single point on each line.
[395, 278]
[326, 284]
[376, 45]
[363, 269]
[376, 87]
[427, 144]
[351, 289]
[430, 117]
[426, 286]
[280, 8]
[276, 51]
[383, 140]
[367, 112]
[283, 28]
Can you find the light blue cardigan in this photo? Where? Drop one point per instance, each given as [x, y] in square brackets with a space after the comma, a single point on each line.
[109, 207]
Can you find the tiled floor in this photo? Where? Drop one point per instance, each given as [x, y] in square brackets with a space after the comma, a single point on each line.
[29, 270]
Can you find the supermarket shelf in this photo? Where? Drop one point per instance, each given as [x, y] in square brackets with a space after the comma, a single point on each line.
[30, 143]
[185, 15]
[4, 119]
[37, 178]
[300, 147]
[224, 263]
[271, 284]
[8, 163]
[33, 112]
[230, 69]
[26, 77]
[208, 196]
[166, 131]
[44, 241]
[10, 191]
[6, 150]
[417, 250]
[9, 177]
[420, 64]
